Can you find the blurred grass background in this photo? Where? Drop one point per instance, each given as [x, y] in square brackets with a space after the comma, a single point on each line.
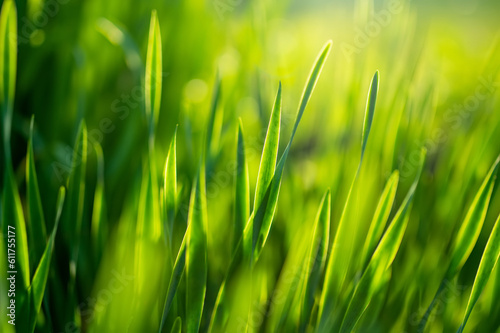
[439, 65]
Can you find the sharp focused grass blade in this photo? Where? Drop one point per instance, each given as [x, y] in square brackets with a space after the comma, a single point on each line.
[338, 263]
[380, 217]
[467, 235]
[381, 260]
[264, 214]
[196, 254]
[370, 111]
[36, 221]
[488, 262]
[8, 67]
[37, 287]
[153, 74]
[267, 165]
[316, 259]
[242, 192]
[170, 189]
[212, 138]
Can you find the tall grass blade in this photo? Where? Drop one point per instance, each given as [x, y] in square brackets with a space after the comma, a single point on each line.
[99, 224]
[373, 278]
[153, 74]
[488, 262]
[8, 68]
[338, 263]
[212, 138]
[196, 254]
[36, 220]
[315, 262]
[242, 189]
[467, 235]
[170, 189]
[37, 287]
[380, 217]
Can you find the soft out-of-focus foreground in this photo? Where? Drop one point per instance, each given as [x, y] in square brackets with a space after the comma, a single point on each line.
[150, 182]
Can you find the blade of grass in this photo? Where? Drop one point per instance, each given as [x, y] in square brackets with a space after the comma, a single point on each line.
[488, 262]
[99, 224]
[196, 254]
[467, 236]
[316, 260]
[212, 140]
[242, 189]
[380, 217]
[175, 279]
[37, 287]
[153, 79]
[269, 201]
[177, 327]
[266, 168]
[170, 189]
[338, 263]
[36, 220]
[8, 68]
[382, 258]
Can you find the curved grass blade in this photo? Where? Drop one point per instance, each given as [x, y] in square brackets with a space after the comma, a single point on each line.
[37, 287]
[370, 111]
[242, 195]
[170, 189]
[269, 201]
[212, 138]
[342, 248]
[36, 220]
[266, 168]
[488, 262]
[8, 68]
[316, 259]
[153, 74]
[467, 235]
[380, 217]
[371, 280]
[265, 213]
[196, 254]
[177, 327]
[99, 224]
[180, 263]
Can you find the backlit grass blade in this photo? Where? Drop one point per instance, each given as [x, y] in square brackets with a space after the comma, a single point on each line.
[264, 214]
[99, 224]
[467, 235]
[488, 262]
[315, 262]
[267, 164]
[8, 68]
[153, 79]
[177, 327]
[170, 189]
[196, 254]
[242, 195]
[14, 224]
[370, 111]
[212, 137]
[338, 263]
[37, 287]
[372, 279]
[175, 279]
[380, 217]
[36, 220]
[471, 227]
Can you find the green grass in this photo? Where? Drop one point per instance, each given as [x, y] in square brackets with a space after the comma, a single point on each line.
[191, 201]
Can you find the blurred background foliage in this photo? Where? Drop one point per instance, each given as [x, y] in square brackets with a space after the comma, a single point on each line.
[439, 65]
